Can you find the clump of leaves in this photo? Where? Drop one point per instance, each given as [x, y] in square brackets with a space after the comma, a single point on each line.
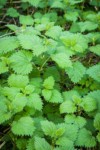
[49, 87]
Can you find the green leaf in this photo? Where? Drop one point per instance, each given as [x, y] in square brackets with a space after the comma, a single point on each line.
[10, 92]
[49, 83]
[30, 145]
[53, 97]
[48, 128]
[41, 144]
[94, 72]
[34, 3]
[89, 104]
[21, 62]
[71, 16]
[5, 116]
[18, 103]
[62, 60]
[8, 43]
[85, 139]
[28, 89]
[97, 121]
[63, 141]
[12, 12]
[3, 67]
[18, 81]
[77, 120]
[71, 132]
[35, 101]
[23, 126]
[95, 49]
[75, 42]
[54, 32]
[87, 26]
[98, 137]
[76, 72]
[26, 20]
[68, 107]
[47, 94]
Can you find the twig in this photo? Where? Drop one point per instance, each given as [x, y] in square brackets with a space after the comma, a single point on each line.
[7, 34]
[2, 144]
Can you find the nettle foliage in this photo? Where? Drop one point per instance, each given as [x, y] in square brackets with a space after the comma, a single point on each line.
[50, 75]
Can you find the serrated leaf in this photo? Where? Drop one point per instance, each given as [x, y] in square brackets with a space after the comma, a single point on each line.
[33, 2]
[97, 121]
[3, 67]
[12, 12]
[41, 144]
[35, 101]
[77, 120]
[47, 94]
[48, 128]
[63, 141]
[18, 81]
[4, 116]
[75, 42]
[71, 16]
[23, 126]
[54, 32]
[62, 60]
[71, 132]
[21, 62]
[8, 43]
[68, 107]
[26, 20]
[76, 72]
[85, 139]
[30, 144]
[56, 97]
[18, 103]
[95, 49]
[94, 72]
[87, 26]
[89, 104]
[49, 83]
[98, 137]
[10, 92]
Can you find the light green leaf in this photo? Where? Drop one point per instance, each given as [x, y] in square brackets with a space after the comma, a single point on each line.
[21, 62]
[75, 42]
[49, 83]
[62, 60]
[26, 20]
[87, 26]
[97, 121]
[18, 81]
[18, 103]
[85, 139]
[41, 144]
[68, 107]
[35, 101]
[94, 72]
[54, 32]
[63, 141]
[8, 43]
[23, 126]
[76, 72]
[95, 49]
[47, 94]
[48, 128]
[12, 12]
[89, 104]
[77, 120]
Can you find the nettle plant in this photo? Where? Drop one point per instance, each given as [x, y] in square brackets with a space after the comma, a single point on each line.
[49, 78]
